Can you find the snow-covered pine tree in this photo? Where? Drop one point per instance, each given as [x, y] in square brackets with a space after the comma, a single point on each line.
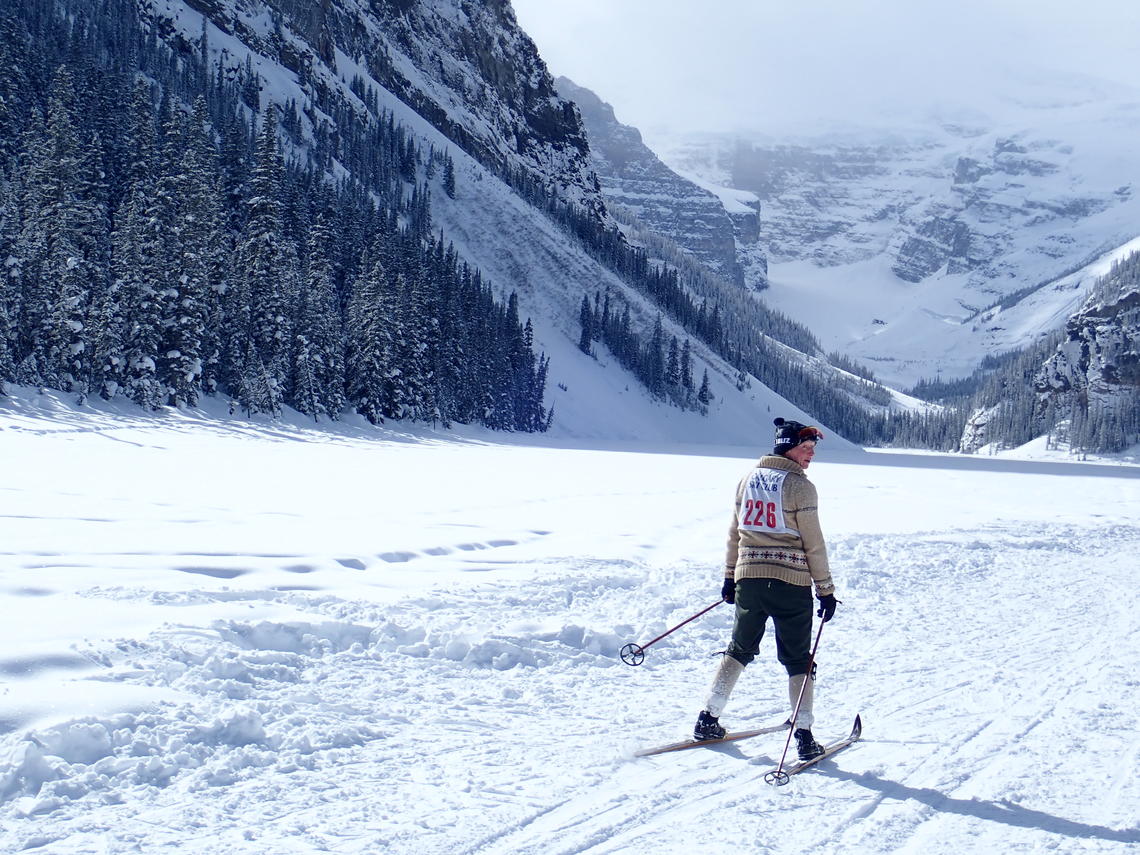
[705, 393]
[134, 318]
[206, 247]
[653, 360]
[449, 175]
[586, 320]
[264, 261]
[14, 84]
[530, 414]
[370, 359]
[673, 368]
[449, 366]
[257, 391]
[415, 336]
[141, 136]
[185, 190]
[318, 349]
[57, 243]
[9, 235]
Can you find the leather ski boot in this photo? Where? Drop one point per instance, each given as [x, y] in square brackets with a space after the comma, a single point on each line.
[806, 745]
[708, 727]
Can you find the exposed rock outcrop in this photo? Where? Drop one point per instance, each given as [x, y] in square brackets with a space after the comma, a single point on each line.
[693, 218]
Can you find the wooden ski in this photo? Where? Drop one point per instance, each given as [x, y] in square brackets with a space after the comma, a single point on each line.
[699, 743]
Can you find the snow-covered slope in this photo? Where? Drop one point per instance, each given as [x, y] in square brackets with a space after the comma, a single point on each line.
[465, 67]
[492, 106]
[889, 244]
[229, 638]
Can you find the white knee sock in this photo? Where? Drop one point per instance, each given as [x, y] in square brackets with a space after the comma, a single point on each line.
[727, 673]
[804, 718]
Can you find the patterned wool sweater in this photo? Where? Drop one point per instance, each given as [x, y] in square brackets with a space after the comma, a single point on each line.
[761, 545]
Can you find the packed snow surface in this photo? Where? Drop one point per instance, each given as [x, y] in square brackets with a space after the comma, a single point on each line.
[227, 637]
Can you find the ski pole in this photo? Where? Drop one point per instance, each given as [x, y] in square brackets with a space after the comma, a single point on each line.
[779, 777]
[634, 654]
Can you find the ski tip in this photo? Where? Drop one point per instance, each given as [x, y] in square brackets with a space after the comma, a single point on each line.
[857, 729]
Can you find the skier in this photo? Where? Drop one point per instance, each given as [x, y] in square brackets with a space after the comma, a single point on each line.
[775, 553]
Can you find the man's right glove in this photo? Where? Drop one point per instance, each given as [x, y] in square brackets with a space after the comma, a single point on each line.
[728, 590]
[827, 604]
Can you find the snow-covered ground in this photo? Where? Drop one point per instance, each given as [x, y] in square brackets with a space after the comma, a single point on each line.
[224, 637]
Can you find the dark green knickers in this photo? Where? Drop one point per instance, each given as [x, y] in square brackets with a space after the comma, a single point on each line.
[789, 606]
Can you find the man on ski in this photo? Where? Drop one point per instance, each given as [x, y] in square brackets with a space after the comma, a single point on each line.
[775, 554]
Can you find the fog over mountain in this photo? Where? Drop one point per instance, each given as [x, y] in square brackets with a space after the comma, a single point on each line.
[684, 66]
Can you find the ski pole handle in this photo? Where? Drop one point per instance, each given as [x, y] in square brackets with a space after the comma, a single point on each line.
[634, 654]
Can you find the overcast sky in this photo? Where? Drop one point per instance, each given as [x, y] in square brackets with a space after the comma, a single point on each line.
[796, 64]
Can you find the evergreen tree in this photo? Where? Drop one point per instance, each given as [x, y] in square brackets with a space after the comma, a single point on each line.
[265, 262]
[141, 137]
[705, 393]
[131, 319]
[413, 353]
[318, 352]
[673, 366]
[586, 319]
[15, 85]
[258, 391]
[58, 268]
[183, 191]
[653, 362]
[9, 235]
[206, 248]
[449, 176]
[371, 349]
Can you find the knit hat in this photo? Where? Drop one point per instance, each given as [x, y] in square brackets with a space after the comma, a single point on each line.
[789, 434]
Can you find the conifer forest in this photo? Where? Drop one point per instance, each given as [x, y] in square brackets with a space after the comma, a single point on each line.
[160, 246]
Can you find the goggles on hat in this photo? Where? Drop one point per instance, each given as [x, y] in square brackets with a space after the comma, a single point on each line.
[812, 434]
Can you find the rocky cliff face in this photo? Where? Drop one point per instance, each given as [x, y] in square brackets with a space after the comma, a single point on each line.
[1100, 357]
[1083, 391]
[986, 203]
[465, 67]
[695, 219]
[991, 207]
[826, 204]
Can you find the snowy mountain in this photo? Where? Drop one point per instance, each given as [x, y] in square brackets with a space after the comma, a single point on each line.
[634, 178]
[891, 244]
[387, 209]
[441, 116]
[465, 67]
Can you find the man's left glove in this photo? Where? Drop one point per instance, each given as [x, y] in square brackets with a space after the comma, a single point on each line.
[827, 604]
[728, 590]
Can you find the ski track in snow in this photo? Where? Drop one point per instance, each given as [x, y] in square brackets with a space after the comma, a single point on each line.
[994, 664]
[978, 726]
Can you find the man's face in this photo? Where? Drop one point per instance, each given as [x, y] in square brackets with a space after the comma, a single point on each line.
[802, 453]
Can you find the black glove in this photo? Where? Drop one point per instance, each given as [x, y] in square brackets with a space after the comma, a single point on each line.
[827, 604]
[728, 591]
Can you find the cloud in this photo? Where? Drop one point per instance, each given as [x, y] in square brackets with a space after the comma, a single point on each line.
[730, 64]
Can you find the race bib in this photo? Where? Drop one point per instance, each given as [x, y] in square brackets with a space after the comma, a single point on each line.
[762, 505]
